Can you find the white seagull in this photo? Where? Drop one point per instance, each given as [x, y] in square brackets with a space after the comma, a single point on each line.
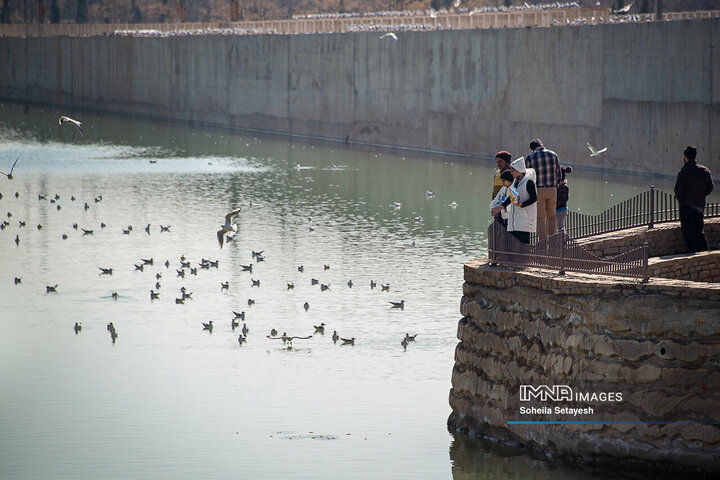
[64, 119]
[594, 152]
[624, 9]
[228, 227]
[390, 35]
[288, 339]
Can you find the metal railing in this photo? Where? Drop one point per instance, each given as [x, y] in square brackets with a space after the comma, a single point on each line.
[449, 21]
[560, 252]
[672, 16]
[644, 209]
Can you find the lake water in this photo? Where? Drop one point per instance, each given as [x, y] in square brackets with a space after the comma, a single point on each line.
[168, 399]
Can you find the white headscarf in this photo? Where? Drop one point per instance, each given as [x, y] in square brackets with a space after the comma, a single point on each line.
[519, 164]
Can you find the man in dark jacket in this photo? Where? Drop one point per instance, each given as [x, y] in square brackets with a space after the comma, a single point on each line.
[694, 183]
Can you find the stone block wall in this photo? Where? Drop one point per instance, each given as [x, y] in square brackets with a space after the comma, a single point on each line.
[700, 267]
[657, 344]
[662, 239]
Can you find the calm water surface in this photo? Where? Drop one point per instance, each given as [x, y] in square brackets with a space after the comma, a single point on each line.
[169, 400]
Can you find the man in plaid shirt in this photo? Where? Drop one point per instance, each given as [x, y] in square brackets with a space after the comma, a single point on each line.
[547, 170]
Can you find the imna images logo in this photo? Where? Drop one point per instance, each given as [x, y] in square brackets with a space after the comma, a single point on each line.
[555, 393]
[561, 393]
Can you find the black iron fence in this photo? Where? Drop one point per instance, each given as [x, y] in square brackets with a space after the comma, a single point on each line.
[644, 209]
[560, 252]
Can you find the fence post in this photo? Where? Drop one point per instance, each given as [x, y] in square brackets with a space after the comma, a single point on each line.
[652, 207]
[562, 252]
[646, 269]
[491, 242]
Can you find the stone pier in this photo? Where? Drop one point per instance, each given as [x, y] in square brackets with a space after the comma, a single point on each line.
[644, 354]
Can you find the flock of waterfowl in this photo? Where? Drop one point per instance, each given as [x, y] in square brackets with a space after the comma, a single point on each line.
[226, 233]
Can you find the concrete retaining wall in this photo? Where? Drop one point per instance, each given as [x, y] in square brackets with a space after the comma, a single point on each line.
[643, 90]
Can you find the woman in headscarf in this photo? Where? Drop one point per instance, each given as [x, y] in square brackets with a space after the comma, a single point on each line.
[523, 206]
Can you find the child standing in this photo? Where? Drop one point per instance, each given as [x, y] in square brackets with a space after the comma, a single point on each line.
[505, 191]
[563, 193]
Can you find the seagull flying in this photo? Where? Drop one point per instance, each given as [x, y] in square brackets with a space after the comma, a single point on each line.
[288, 339]
[624, 9]
[228, 227]
[389, 35]
[594, 152]
[64, 119]
[10, 175]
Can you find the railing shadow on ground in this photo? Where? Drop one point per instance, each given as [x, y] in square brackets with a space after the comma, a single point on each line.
[560, 252]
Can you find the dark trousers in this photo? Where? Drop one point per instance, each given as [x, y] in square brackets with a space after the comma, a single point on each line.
[691, 224]
[524, 237]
